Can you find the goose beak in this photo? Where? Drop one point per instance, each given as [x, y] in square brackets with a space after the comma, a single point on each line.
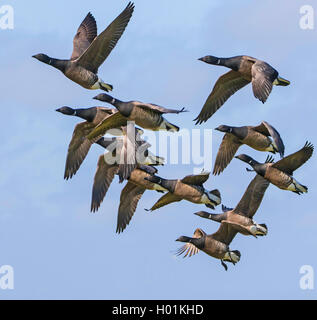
[58, 110]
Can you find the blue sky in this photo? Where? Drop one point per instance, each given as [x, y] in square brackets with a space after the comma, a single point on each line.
[57, 248]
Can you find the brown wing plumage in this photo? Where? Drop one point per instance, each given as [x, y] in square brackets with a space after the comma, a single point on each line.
[102, 180]
[268, 130]
[77, 149]
[130, 196]
[252, 197]
[224, 88]
[85, 35]
[159, 109]
[102, 45]
[189, 249]
[116, 120]
[228, 148]
[238, 227]
[225, 233]
[263, 76]
[196, 179]
[292, 162]
[165, 200]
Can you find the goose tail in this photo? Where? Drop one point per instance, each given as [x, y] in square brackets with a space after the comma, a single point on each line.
[281, 82]
[171, 127]
[105, 86]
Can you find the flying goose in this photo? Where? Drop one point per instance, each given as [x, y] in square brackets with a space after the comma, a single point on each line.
[280, 173]
[244, 69]
[240, 218]
[77, 150]
[90, 51]
[131, 145]
[146, 115]
[189, 188]
[215, 245]
[130, 194]
[127, 152]
[256, 137]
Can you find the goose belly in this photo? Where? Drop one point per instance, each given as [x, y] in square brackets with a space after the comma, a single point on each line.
[239, 219]
[215, 249]
[259, 142]
[146, 119]
[83, 77]
[187, 192]
[279, 178]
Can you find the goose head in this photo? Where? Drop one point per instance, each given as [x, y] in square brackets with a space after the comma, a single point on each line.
[210, 60]
[232, 256]
[247, 159]
[66, 110]
[104, 98]
[224, 128]
[43, 58]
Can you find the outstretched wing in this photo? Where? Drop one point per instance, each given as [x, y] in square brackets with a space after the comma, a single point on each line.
[224, 88]
[189, 249]
[85, 35]
[252, 197]
[165, 200]
[102, 45]
[102, 180]
[228, 148]
[292, 162]
[77, 149]
[225, 233]
[159, 109]
[263, 76]
[196, 179]
[116, 120]
[268, 130]
[130, 196]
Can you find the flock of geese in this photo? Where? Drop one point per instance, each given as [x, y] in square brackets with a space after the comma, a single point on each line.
[138, 165]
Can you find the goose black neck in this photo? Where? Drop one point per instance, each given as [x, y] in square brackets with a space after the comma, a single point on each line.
[198, 242]
[217, 217]
[58, 64]
[248, 160]
[87, 114]
[109, 99]
[232, 63]
[167, 184]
